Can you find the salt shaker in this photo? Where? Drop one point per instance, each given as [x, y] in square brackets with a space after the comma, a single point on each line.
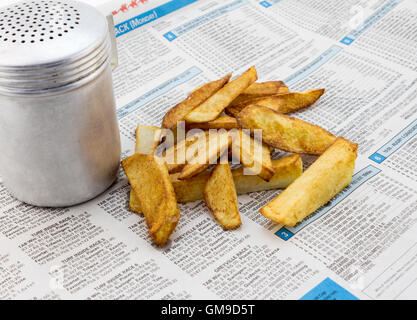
[59, 136]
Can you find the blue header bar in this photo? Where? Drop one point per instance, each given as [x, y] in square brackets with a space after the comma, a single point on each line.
[151, 15]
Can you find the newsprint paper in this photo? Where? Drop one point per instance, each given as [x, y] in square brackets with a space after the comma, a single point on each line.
[361, 245]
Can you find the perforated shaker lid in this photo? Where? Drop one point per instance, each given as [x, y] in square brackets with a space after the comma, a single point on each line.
[46, 44]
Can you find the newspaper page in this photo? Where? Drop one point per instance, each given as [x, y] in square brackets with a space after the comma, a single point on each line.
[361, 245]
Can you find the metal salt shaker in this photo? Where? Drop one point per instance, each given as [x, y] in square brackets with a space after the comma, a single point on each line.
[59, 136]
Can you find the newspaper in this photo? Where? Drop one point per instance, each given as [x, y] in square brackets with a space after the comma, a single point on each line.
[361, 245]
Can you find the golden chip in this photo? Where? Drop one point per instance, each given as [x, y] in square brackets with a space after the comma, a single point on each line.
[214, 106]
[197, 97]
[325, 178]
[149, 179]
[286, 133]
[223, 204]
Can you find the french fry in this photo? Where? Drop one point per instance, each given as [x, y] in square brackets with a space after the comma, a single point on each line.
[253, 155]
[223, 205]
[286, 170]
[210, 109]
[214, 146]
[325, 178]
[285, 103]
[176, 155]
[263, 89]
[295, 101]
[147, 139]
[266, 88]
[150, 181]
[285, 133]
[222, 122]
[196, 97]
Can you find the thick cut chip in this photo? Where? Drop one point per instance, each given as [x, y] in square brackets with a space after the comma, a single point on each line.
[197, 97]
[147, 139]
[149, 178]
[222, 122]
[263, 89]
[175, 157]
[295, 101]
[253, 154]
[266, 88]
[214, 106]
[220, 197]
[285, 103]
[204, 153]
[325, 178]
[286, 170]
[285, 133]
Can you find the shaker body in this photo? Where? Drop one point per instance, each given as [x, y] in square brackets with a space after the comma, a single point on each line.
[62, 148]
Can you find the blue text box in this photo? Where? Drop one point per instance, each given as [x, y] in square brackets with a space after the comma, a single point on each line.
[377, 158]
[284, 234]
[328, 290]
[265, 4]
[347, 40]
[269, 3]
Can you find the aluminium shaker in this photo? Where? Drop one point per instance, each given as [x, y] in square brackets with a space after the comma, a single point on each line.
[59, 136]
